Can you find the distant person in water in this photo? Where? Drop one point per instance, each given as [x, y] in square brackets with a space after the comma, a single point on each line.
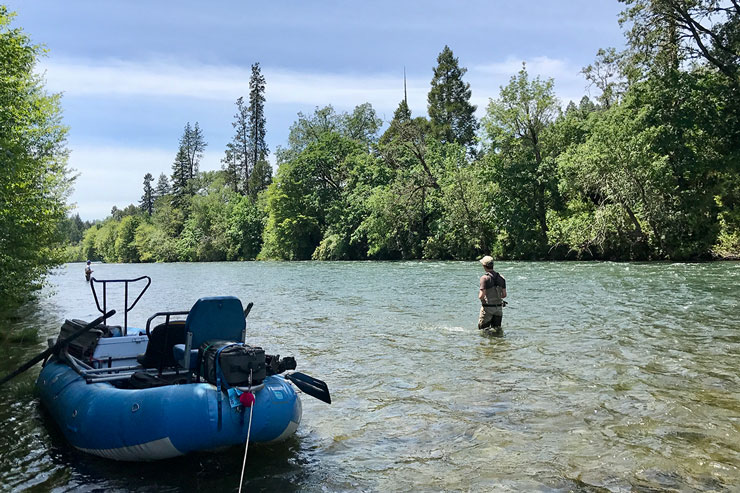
[88, 271]
[491, 295]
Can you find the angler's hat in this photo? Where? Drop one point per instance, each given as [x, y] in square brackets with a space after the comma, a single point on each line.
[487, 261]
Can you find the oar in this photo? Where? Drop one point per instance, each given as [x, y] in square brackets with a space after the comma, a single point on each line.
[55, 348]
[310, 385]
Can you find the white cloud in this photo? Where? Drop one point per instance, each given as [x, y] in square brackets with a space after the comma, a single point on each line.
[78, 78]
[224, 83]
[109, 175]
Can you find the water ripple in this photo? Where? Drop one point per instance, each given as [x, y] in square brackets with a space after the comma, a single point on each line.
[610, 377]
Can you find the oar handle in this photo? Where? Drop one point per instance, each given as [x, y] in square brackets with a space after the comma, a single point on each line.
[55, 348]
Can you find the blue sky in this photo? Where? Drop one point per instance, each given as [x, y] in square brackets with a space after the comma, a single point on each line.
[134, 73]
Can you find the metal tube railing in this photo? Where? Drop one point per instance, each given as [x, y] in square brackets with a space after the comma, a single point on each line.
[127, 308]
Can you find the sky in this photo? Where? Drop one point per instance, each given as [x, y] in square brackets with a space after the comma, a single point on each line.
[133, 73]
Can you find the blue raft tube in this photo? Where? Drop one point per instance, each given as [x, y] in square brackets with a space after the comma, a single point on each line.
[141, 396]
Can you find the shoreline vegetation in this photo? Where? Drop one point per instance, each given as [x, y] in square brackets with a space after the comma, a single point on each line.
[646, 170]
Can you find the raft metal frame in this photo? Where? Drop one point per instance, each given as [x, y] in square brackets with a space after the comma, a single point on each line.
[127, 308]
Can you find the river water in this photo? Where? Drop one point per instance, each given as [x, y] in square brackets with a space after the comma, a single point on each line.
[610, 377]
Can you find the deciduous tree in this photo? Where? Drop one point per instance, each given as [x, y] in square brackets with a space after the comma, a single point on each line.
[34, 179]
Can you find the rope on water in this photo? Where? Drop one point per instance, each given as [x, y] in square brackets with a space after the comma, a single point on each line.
[249, 429]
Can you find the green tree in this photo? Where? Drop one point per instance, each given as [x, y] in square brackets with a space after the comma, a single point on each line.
[147, 199]
[308, 196]
[185, 167]
[464, 227]
[516, 127]
[125, 246]
[665, 33]
[362, 126]
[257, 150]
[401, 211]
[450, 112]
[163, 186]
[34, 180]
[237, 161]
[246, 224]
[180, 181]
[231, 167]
[607, 75]
[193, 144]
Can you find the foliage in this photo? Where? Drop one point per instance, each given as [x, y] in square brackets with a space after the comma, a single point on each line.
[147, 199]
[519, 151]
[34, 179]
[647, 170]
[187, 161]
[451, 114]
[257, 151]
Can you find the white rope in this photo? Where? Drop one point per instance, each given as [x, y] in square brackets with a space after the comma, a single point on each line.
[249, 429]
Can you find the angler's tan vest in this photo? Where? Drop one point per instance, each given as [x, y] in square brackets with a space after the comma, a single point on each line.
[493, 294]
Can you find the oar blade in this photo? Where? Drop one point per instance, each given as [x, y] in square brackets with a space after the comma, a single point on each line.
[310, 385]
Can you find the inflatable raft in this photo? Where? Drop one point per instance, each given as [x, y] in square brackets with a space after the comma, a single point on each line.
[184, 386]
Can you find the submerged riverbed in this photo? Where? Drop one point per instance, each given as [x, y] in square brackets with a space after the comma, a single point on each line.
[610, 377]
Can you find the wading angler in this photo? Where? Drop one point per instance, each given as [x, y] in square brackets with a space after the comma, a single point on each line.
[491, 295]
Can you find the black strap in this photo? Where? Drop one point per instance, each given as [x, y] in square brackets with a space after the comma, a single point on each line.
[484, 304]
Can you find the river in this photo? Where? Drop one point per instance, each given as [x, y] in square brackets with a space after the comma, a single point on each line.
[610, 377]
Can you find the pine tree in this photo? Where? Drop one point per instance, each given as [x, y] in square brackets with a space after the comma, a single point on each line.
[257, 147]
[180, 176]
[236, 159]
[147, 199]
[193, 143]
[452, 115]
[163, 186]
[231, 166]
[261, 177]
[185, 167]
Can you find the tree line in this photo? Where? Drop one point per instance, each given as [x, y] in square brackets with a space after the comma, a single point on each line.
[647, 169]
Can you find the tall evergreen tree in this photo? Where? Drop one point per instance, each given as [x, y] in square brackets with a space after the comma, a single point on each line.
[231, 166]
[163, 186]
[236, 159]
[256, 131]
[185, 167]
[147, 199]
[193, 144]
[452, 115]
[180, 176]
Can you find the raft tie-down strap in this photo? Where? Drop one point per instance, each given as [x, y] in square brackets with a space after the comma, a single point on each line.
[218, 380]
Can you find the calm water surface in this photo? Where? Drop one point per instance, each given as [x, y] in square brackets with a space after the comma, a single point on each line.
[610, 377]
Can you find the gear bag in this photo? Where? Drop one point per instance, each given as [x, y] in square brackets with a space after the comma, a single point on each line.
[235, 360]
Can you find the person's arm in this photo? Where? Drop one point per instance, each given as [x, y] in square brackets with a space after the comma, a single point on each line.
[482, 291]
[503, 293]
